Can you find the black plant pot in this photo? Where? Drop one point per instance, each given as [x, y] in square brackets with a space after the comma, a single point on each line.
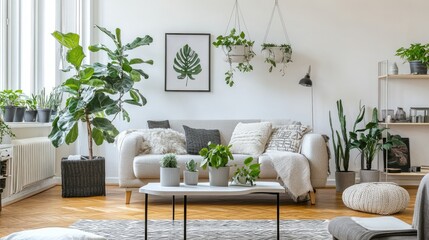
[19, 114]
[30, 115]
[9, 113]
[43, 115]
[417, 67]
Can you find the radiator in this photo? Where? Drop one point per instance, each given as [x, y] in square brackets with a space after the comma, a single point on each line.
[33, 161]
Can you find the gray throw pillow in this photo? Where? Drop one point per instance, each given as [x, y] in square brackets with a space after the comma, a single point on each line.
[196, 139]
[158, 124]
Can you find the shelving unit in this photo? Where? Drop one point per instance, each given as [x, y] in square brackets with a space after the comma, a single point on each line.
[5, 173]
[385, 97]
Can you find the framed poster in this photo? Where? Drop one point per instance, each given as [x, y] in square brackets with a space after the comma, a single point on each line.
[187, 62]
[398, 156]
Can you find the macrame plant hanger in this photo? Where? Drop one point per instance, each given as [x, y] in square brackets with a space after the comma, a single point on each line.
[276, 7]
[237, 14]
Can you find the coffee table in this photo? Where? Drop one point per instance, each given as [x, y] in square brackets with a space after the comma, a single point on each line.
[204, 189]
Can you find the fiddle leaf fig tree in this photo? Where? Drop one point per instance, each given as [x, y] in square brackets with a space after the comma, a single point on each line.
[97, 93]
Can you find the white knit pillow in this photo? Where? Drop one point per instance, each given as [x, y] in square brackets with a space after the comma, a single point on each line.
[162, 141]
[287, 138]
[250, 138]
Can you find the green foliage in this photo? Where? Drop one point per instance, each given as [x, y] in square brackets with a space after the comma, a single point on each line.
[341, 141]
[98, 91]
[43, 100]
[248, 173]
[31, 102]
[286, 51]
[233, 39]
[169, 161]
[191, 166]
[369, 139]
[56, 97]
[5, 130]
[416, 52]
[187, 63]
[216, 155]
[11, 98]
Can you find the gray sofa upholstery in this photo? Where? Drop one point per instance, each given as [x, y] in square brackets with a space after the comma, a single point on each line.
[137, 170]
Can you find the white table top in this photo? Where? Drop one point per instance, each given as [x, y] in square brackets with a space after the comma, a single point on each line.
[204, 189]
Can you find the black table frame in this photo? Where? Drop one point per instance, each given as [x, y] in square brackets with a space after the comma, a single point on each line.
[185, 203]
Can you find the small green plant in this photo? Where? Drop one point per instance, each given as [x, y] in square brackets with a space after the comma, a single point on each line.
[416, 52]
[56, 97]
[169, 161]
[216, 155]
[191, 166]
[31, 102]
[44, 101]
[248, 173]
[5, 130]
[285, 51]
[235, 39]
[11, 98]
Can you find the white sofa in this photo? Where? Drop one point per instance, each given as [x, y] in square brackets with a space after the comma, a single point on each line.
[137, 170]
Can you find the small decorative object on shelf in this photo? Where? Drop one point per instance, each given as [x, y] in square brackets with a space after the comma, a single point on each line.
[400, 115]
[393, 69]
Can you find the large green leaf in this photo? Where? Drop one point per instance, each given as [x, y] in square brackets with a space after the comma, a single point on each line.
[72, 134]
[187, 63]
[75, 56]
[97, 135]
[69, 40]
[107, 32]
[139, 42]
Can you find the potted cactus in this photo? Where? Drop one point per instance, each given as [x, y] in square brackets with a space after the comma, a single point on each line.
[190, 175]
[169, 172]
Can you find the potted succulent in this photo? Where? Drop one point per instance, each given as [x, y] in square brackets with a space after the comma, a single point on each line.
[9, 100]
[31, 109]
[97, 94]
[5, 130]
[216, 157]
[275, 54]
[369, 141]
[418, 57]
[169, 172]
[43, 106]
[190, 175]
[237, 49]
[342, 145]
[247, 174]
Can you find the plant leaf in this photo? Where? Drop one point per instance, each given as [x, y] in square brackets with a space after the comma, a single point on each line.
[187, 63]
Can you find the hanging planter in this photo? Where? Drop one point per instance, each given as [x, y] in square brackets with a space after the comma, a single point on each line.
[275, 54]
[237, 48]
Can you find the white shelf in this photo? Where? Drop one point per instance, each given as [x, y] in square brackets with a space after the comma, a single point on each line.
[404, 76]
[28, 125]
[404, 124]
[405, 174]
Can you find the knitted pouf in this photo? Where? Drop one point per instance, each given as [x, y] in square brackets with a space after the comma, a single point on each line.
[376, 197]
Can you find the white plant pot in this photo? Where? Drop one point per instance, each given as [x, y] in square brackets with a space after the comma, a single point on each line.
[170, 177]
[190, 178]
[238, 54]
[219, 176]
[276, 54]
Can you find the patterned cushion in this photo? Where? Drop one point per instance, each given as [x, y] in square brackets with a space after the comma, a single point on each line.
[158, 124]
[196, 139]
[287, 138]
[250, 138]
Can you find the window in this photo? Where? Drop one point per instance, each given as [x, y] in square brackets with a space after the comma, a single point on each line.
[3, 43]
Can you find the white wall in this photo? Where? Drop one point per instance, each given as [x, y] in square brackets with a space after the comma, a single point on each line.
[342, 40]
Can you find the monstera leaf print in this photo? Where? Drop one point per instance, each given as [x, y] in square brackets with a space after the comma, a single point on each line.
[187, 63]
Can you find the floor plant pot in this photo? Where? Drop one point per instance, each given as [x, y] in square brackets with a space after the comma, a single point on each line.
[276, 54]
[344, 180]
[30, 115]
[9, 113]
[19, 114]
[238, 54]
[83, 178]
[170, 177]
[369, 176]
[190, 178]
[417, 67]
[43, 115]
[219, 176]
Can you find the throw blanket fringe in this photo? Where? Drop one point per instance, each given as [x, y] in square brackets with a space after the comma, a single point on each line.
[294, 170]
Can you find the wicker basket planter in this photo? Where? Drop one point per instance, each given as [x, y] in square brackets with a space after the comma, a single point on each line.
[83, 178]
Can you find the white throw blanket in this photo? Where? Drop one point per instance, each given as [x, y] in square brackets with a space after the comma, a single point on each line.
[294, 170]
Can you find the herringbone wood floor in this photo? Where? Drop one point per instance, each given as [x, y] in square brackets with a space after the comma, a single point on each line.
[50, 209]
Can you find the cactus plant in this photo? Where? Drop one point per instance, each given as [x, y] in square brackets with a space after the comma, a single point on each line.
[169, 161]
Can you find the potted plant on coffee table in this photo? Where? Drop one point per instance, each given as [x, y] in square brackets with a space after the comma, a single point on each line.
[417, 55]
[237, 49]
[277, 54]
[190, 175]
[169, 172]
[247, 174]
[31, 109]
[342, 145]
[97, 94]
[216, 157]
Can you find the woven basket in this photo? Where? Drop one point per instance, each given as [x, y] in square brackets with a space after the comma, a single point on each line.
[83, 178]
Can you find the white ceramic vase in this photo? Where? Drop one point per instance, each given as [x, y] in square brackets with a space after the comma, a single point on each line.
[219, 176]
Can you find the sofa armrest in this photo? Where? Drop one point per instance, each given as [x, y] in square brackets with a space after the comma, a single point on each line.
[314, 148]
[129, 148]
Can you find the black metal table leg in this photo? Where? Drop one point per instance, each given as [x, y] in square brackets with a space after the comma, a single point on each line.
[174, 206]
[278, 216]
[184, 216]
[145, 216]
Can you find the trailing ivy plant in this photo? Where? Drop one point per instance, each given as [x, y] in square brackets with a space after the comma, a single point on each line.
[234, 39]
[97, 93]
[187, 63]
[286, 52]
[5, 130]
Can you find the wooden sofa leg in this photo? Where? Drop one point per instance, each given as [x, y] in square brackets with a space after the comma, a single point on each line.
[312, 197]
[127, 196]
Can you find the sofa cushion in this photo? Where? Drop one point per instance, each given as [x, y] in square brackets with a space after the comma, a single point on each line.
[158, 124]
[161, 141]
[196, 139]
[287, 138]
[250, 138]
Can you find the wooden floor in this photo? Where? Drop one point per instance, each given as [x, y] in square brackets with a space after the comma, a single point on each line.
[50, 209]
